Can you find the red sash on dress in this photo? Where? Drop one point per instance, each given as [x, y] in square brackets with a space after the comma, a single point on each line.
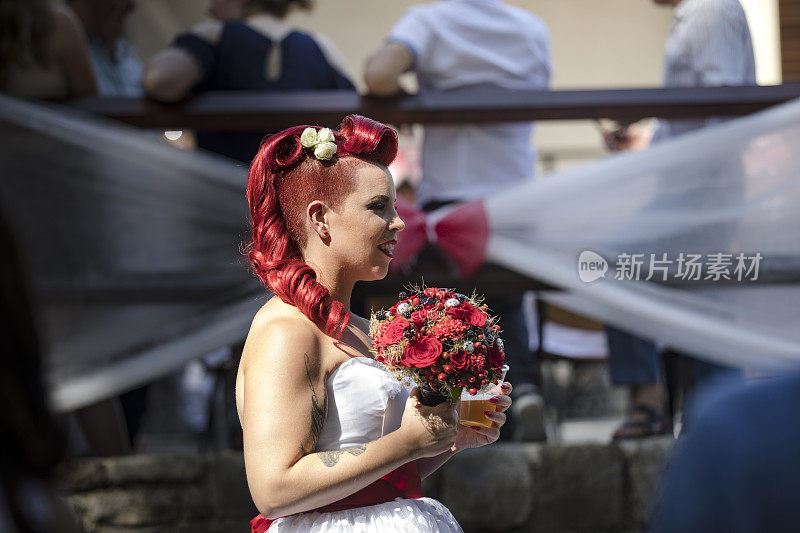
[403, 482]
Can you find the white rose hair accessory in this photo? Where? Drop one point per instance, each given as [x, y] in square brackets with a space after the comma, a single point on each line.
[322, 142]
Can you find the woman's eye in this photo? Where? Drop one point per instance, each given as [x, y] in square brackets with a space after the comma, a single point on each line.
[380, 206]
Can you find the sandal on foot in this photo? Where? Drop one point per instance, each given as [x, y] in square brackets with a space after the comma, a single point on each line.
[643, 422]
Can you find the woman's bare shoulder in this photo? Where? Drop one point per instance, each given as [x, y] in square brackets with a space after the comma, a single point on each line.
[208, 30]
[279, 331]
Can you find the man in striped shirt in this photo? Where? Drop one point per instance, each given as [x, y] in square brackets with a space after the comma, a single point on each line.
[709, 44]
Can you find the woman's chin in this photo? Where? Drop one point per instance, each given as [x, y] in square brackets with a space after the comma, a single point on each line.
[376, 273]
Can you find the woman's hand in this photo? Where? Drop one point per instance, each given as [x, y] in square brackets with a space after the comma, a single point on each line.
[475, 436]
[629, 137]
[429, 430]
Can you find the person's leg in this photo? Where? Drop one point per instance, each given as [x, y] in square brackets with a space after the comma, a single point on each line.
[103, 426]
[631, 360]
[634, 362]
[134, 407]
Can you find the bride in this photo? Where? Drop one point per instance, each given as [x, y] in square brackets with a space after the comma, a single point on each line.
[332, 442]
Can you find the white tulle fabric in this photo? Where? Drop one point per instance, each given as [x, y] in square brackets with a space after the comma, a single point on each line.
[365, 403]
[423, 515]
[728, 189]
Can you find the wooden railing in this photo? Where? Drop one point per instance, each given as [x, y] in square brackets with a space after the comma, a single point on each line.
[260, 111]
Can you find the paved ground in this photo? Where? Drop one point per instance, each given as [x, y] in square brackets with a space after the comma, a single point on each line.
[597, 430]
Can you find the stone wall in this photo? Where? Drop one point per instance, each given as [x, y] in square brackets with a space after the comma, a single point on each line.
[160, 494]
[501, 488]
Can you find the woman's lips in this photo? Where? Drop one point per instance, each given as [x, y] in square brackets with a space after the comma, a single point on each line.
[387, 248]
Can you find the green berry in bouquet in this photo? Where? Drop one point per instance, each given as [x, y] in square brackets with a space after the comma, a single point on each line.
[442, 340]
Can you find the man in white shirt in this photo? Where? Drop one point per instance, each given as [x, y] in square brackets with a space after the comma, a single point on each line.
[453, 44]
[709, 44]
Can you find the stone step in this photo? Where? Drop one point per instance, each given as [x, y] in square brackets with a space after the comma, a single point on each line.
[505, 487]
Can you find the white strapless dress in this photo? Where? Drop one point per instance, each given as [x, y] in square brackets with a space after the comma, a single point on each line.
[365, 403]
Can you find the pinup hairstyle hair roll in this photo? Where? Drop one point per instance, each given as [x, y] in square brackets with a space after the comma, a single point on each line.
[284, 179]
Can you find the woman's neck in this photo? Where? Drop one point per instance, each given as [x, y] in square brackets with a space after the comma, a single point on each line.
[340, 287]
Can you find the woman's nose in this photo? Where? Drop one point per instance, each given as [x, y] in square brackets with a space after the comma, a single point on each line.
[397, 223]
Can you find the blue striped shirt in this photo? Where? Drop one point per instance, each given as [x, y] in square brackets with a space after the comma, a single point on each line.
[709, 45]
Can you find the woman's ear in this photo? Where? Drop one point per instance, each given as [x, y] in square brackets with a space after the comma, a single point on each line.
[317, 214]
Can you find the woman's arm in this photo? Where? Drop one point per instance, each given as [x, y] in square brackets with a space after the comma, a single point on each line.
[429, 465]
[72, 52]
[171, 73]
[284, 409]
[384, 68]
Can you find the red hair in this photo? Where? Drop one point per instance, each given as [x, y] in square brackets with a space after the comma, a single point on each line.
[284, 179]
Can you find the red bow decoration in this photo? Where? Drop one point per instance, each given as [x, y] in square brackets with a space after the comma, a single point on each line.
[461, 230]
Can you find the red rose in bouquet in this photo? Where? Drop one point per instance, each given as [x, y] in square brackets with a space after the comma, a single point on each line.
[394, 332]
[418, 318]
[460, 360]
[495, 357]
[468, 314]
[441, 339]
[422, 352]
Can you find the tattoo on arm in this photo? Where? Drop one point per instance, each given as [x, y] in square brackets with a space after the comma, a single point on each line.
[318, 413]
[331, 458]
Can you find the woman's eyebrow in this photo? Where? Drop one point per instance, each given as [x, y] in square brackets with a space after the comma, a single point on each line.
[380, 197]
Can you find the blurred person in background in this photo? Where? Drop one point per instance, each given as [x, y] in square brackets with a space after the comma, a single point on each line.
[736, 467]
[247, 47]
[43, 51]
[33, 444]
[118, 67]
[475, 43]
[119, 73]
[709, 45]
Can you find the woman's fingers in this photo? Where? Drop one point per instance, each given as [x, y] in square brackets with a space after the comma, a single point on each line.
[491, 434]
[415, 397]
[501, 402]
[498, 418]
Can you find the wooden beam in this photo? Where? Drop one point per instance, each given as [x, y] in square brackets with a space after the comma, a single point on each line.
[262, 111]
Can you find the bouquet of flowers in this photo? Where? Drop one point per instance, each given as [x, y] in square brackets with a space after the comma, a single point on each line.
[442, 340]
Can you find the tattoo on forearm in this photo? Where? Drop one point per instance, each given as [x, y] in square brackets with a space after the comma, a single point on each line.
[318, 412]
[331, 458]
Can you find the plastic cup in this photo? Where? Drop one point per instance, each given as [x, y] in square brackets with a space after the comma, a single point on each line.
[471, 407]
